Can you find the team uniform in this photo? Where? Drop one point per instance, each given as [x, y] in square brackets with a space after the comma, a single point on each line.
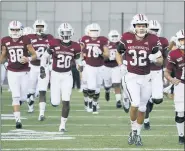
[40, 44]
[92, 74]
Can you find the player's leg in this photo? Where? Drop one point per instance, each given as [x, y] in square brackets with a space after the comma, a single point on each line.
[42, 87]
[133, 93]
[3, 75]
[66, 90]
[33, 79]
[146, 92]
[84, 87]
[15, 87]
[107, 81]
[116, 80]
[179, 109]
[91, 84]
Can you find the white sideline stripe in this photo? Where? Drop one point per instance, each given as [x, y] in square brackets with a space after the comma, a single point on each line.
[104, 117]
[82, 125]
[58, 133]
[101, 110]
[36, 139]
[92, 149]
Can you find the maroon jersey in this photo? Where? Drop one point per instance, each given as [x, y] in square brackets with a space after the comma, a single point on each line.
[164, 44]
[63, 56]
[137, 52]
[92, 49]
[40, 44]
[15, 51]
[176, 63]
[111, 62]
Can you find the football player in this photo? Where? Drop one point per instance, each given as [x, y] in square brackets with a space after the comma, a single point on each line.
[156, 73]
[94, 50]
[140, 48]
[63, 52]
[16, 49]
[111, 70]
[176, 62]
[39, 41]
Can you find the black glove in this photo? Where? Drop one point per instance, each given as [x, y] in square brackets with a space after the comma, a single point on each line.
[42, 72]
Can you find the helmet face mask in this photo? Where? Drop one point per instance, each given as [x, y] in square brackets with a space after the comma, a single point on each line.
[94, 30]
[114, 36]
[65, 32]
[180, 39]
[40, 27]
[15, 29]
[155, 27]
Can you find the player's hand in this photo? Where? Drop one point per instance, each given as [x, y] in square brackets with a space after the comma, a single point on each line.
[42, 72]
[152, 58]
[175, 81]
[24, 60]
[80, 68]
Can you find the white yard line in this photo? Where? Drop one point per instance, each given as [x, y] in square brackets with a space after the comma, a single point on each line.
[84, 125]
[92, 149]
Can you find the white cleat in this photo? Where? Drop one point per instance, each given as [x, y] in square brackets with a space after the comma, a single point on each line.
[30, 109]
[62, 130]
[89, 109]
[41, 118]
[95, 113]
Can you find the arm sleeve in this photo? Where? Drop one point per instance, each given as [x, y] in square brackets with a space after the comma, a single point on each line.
[170, 64]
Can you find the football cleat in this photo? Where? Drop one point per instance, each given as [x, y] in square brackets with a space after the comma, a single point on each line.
[118, 104]
[126, 105]
[107, 96]
[30, 108]
[147, 126]
[41, 118]
[95, 111]
[86, 104]
[181, 140]
[132, 137]
[138, 141]
[18, 125]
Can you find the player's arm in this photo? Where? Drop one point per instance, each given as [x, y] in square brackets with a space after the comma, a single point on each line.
[167, 72]
[3, 55]
[119, 59]
[156, 56]
[32, 52]
[105, 52]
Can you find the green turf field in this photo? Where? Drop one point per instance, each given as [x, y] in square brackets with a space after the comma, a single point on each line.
[107, 131]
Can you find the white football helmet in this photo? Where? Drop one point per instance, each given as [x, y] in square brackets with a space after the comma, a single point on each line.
[114, 36]
[180, 35]
[87, 30]
[139, 19]
[15, 29]
[155, 27]
[40, 27]
[65, 32]
[28, 30]
[94, 30]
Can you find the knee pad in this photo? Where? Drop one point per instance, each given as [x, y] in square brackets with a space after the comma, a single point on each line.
[91, 93]
[16, 101]
[116, 85]
[53, 104]
[85, 93]
[157, 101]
[96, 96]
[179, 118]
[142, 108]
[149, 106]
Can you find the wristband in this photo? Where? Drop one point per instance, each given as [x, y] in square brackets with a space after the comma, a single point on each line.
[30, 59]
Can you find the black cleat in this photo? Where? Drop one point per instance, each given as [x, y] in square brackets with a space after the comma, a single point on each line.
[18, 125]
[95, 111]
[131, 138]
[147, 126]
[118, 104]
[63, 131]
[181, 140]
[107, 96]
[86, 104]
[138, 141]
